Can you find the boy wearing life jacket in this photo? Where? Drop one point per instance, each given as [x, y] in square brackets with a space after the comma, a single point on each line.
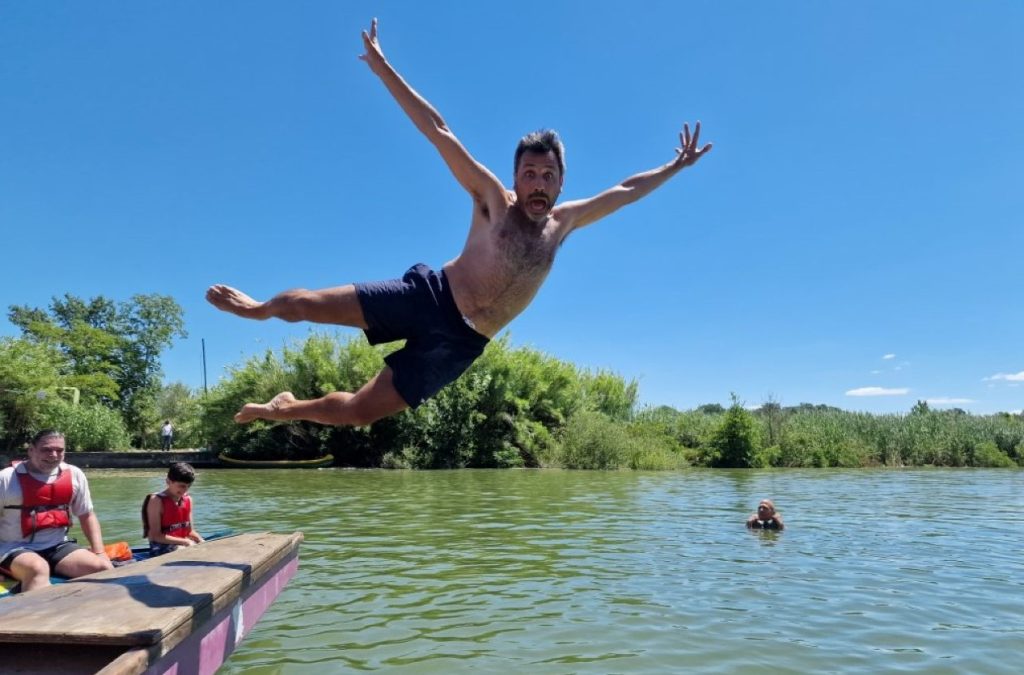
[38, 499]
[167, 515]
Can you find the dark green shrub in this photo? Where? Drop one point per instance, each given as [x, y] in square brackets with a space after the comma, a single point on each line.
[736, 441]
[988, 454]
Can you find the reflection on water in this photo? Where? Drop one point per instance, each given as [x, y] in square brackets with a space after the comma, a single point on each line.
[592, 572]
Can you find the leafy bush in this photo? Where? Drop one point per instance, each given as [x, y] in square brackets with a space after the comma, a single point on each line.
[1009, 437]
[989, 454]
[89, 427]
[503, 412]
[520, 407]
[736, 441]
[609, 394]
[767, 456]
[590, 440]
[654, 454]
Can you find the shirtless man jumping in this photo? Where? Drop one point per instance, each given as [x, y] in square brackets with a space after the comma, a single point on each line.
[448, 317]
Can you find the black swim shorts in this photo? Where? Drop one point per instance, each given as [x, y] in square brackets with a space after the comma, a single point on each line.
[52, 555]
[419, 308]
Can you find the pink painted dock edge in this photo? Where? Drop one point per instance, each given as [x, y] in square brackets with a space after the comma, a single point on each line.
[203, 654]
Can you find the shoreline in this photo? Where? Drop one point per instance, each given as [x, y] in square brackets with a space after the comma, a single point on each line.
[133, 459]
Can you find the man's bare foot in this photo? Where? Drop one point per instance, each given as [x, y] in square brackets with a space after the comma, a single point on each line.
[275, 409]
[235, 301]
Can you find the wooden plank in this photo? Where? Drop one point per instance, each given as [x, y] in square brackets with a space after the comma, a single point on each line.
[184, 652]
[143, 603]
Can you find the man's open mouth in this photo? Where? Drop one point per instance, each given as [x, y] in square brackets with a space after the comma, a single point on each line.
[537, 203]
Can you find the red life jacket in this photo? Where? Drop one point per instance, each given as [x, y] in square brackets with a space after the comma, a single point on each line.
[175, 520]
[45, 505]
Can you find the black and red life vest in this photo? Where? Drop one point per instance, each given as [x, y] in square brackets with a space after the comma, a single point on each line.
[175, 519]
[44, 505]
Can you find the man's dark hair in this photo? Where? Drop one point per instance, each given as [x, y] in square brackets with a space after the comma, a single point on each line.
[542, 140]
[181, 472]
[43, 433]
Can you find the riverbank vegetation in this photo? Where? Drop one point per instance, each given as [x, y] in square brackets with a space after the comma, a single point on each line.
[515, 407]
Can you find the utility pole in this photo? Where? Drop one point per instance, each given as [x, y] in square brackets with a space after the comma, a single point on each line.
[203, 340]
[206, 439]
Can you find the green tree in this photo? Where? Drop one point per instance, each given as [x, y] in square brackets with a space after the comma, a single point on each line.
[920, 408]
[735, 442]
[112, 349]
[610, 394]
[30, 373]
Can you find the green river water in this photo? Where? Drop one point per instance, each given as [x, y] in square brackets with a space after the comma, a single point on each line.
[621, 572]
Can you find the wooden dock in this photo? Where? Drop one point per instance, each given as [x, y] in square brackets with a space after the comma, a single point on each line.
[183, 612]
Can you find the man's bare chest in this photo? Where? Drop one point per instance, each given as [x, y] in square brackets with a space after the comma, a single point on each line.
[525, 247]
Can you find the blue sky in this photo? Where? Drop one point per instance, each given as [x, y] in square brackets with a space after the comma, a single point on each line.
[854, 239]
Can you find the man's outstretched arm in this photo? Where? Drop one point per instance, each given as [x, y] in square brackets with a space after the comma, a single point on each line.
[583, 212]
[483, 185]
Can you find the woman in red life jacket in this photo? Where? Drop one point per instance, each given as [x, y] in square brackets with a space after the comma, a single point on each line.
[167, 515]
[38, 499]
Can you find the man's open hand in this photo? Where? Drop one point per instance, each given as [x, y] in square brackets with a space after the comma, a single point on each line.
[689, 153]
[374, 57]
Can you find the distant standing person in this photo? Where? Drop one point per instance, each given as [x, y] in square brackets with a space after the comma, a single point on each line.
[167, 515]
[166, 435]
[766, 517]
[38, 498]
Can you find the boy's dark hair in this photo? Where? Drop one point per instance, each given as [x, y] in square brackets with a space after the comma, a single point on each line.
[542, 140]
[181, 472]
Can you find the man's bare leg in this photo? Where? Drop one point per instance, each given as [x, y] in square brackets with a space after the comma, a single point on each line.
[81, 562]
[338, 305]
[31, 570]
[377, 399]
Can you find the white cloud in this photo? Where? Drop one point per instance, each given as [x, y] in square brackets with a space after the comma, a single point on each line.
[876, 372]
[888, 357]
[945, 400]
[1009, 377]
[878, 391]
[1017, 412]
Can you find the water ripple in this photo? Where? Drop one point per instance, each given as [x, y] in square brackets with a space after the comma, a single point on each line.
[589, 572]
